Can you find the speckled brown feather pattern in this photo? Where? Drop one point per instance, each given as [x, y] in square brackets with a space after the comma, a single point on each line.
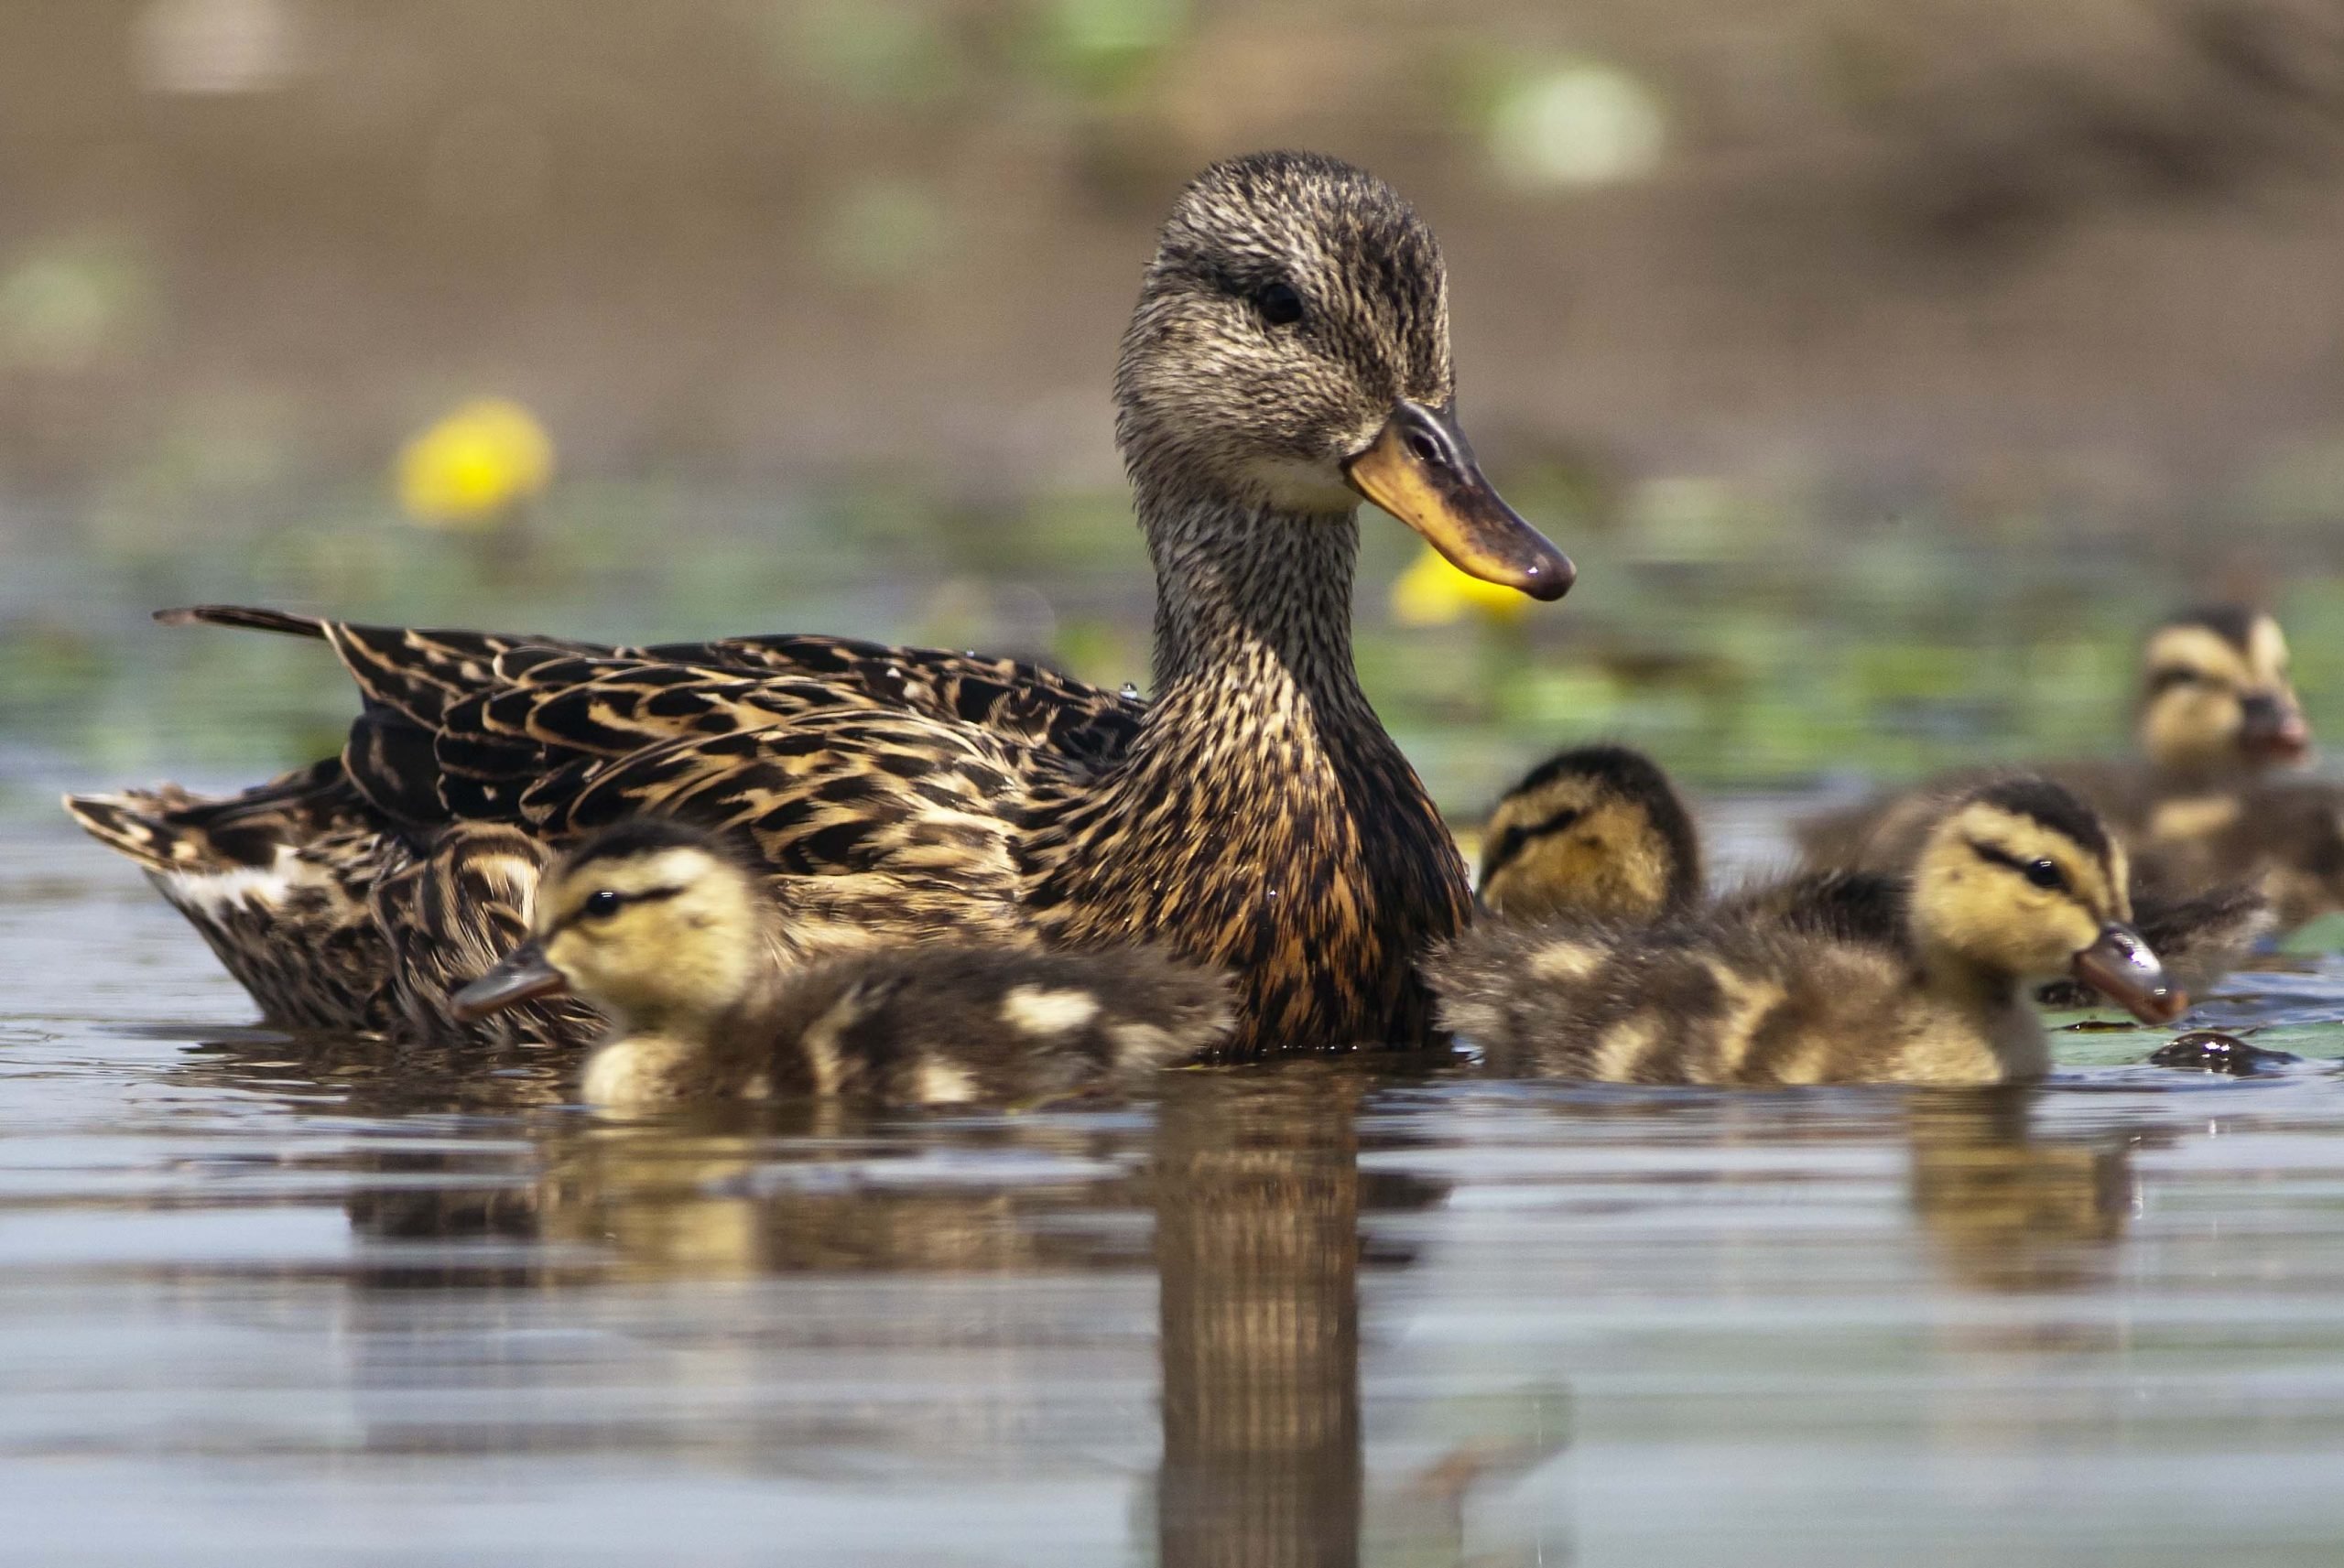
[1340, 873]
[452, 912]
[1254, 815]
[276, 879]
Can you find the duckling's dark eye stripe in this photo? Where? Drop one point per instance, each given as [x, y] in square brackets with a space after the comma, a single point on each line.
[1510, 842]
[2164, 680]
[2002, 856]
[649, 896]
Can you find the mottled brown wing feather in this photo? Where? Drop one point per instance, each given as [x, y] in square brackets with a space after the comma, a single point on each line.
[879, 786]
[1021, 702]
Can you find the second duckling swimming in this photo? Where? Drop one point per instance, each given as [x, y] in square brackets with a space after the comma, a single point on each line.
[1595, 832]
[662, 926]
[2018, 882]
[1600, 833]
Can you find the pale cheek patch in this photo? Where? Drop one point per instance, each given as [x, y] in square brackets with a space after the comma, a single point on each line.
[1294, 485]
[1039, 1011]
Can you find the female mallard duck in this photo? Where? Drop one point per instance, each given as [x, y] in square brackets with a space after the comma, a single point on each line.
[2020, 881]
[1600, 833]
[2218, 713]
[658, 924]
[1288, 355]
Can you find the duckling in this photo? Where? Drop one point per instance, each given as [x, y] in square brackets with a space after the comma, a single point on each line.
[1600, 832]
[2017, 882]
[2217, 712]
[669, 929]
[2284, 834]
[1597, 831]
[2216, 701]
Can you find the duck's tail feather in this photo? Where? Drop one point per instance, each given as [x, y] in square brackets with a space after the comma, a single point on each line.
[168, 828]
[134, 822]
[245, 616]
[275, 879]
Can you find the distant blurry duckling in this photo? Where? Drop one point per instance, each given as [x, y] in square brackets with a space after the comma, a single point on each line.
[2217, 712]
[2284, 834]
[1597, 831]
[660, 924]
[2216, 701]
[2017, 882]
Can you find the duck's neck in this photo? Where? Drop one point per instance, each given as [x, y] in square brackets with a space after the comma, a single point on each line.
[1261, 821]
[1252, 595]
[660, 1053]
[1996, 1004]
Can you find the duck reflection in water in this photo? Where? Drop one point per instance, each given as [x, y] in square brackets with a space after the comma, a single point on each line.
[1257, 1250]
[1250, 1179]
[2006, 1208]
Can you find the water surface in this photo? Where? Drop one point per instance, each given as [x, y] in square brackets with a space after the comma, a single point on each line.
[273, 1301]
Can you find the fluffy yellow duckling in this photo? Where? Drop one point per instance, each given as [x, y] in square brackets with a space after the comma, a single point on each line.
[1597, 831]
[2018, 882]
[2216, 699]
[661, 927]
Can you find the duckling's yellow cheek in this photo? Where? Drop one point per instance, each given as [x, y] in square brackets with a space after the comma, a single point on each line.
[2191, 724]
[566, 953]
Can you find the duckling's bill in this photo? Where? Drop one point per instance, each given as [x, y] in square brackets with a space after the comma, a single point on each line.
[523, 975]
[1421, 468]
[2123, 968]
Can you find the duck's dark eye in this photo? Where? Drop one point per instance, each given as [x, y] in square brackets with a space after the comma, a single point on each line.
[1279, 304]
[2046, 874]
[600, 904]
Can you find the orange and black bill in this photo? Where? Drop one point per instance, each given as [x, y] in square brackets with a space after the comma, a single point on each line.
[2123, 968]
[522, 975]
[1421, 470]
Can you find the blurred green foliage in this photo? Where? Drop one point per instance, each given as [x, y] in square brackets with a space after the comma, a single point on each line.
[1741, 637]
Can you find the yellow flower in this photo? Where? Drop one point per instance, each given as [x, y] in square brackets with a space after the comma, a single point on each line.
[471, 468]
[1431, 592]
